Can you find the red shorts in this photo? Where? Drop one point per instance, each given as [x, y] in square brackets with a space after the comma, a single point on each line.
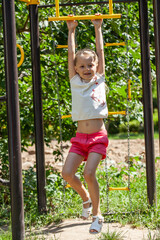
[83, 143]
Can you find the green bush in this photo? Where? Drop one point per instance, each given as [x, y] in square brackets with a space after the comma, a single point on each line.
[155, 119]
[134, 126]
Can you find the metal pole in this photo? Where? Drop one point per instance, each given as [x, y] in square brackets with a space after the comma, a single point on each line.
[147, 102]
[17, 211]
[156, 9]
[85, 3]
[38, 118]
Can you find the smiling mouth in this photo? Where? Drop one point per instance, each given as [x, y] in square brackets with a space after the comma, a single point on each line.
[87, 74]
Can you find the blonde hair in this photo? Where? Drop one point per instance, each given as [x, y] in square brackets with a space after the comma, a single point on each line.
[86, 51]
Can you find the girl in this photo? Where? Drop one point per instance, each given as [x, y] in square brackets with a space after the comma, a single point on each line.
[87, 76]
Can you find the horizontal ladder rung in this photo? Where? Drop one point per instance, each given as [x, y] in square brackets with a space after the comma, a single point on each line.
[84, 17]
[62, 46]
[118, 188]
[117, 113]
[66, 116]
[109, 113]
[106, 45]
[115, 44]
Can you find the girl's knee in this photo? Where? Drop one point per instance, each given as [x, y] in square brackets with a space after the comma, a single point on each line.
[67, 175]
[89, 175]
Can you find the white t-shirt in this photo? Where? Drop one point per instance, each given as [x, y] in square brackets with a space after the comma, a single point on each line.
[88, 99]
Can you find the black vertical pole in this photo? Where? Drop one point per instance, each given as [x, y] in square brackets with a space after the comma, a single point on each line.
[147, 102]
[38, 118]
[17, 211]
[156, 10]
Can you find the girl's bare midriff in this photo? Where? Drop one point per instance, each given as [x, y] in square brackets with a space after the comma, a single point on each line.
[90, 126]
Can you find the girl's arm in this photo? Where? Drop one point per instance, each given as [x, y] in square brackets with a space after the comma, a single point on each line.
[99, 46]
[71, 47]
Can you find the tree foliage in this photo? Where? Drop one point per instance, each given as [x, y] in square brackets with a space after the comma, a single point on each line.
[121, 63]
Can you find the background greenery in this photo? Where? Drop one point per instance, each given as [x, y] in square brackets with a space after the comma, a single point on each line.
[121, 63]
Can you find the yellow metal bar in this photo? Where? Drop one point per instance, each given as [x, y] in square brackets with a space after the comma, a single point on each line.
[66, 116]
[22, 55]
[109, 113]
[110, 7]
[129, 89]
[26, 1]
[34, 2]
[31, 2]
[115, 44]
[84, 17]
[57, 7]
[119, 113]
[106, 45]
[118, 188]
[62, 46]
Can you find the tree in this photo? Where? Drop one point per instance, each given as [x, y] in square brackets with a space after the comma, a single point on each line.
[121, 63]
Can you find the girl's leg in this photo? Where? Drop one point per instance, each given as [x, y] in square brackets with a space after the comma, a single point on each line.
[70, 167]
[90, 177]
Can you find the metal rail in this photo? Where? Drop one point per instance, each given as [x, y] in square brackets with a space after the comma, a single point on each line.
[147, 101]
[14, 138]
[84, 17]
[38, 112]
[86, 3]
[156, 8]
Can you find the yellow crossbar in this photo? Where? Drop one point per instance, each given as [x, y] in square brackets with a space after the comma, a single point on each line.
[106, 45]
[119, 113]
[118, 188]
[115, 44]
[26, 1]
[66, 116]
[84, 17]
[31, 2]
[62, 46]
[109, 113]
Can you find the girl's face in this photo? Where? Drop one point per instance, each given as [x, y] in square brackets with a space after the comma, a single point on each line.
[86, 67]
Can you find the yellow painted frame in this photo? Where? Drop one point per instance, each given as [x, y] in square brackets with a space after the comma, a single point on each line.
[83, 17]
[114, 44]
[31, 2]
[22, 55]
[118, 188]
[105, 45]
[109, 113]
[62, 46]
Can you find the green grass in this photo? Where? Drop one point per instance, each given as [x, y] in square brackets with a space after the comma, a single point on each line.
[67, 204]
[155, 236]
[111, 236]
[120, 236]
[8, 236]
[5, 235]
[132, 136]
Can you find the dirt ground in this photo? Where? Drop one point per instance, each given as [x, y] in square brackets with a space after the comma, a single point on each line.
[117, 153]
[76, 228]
